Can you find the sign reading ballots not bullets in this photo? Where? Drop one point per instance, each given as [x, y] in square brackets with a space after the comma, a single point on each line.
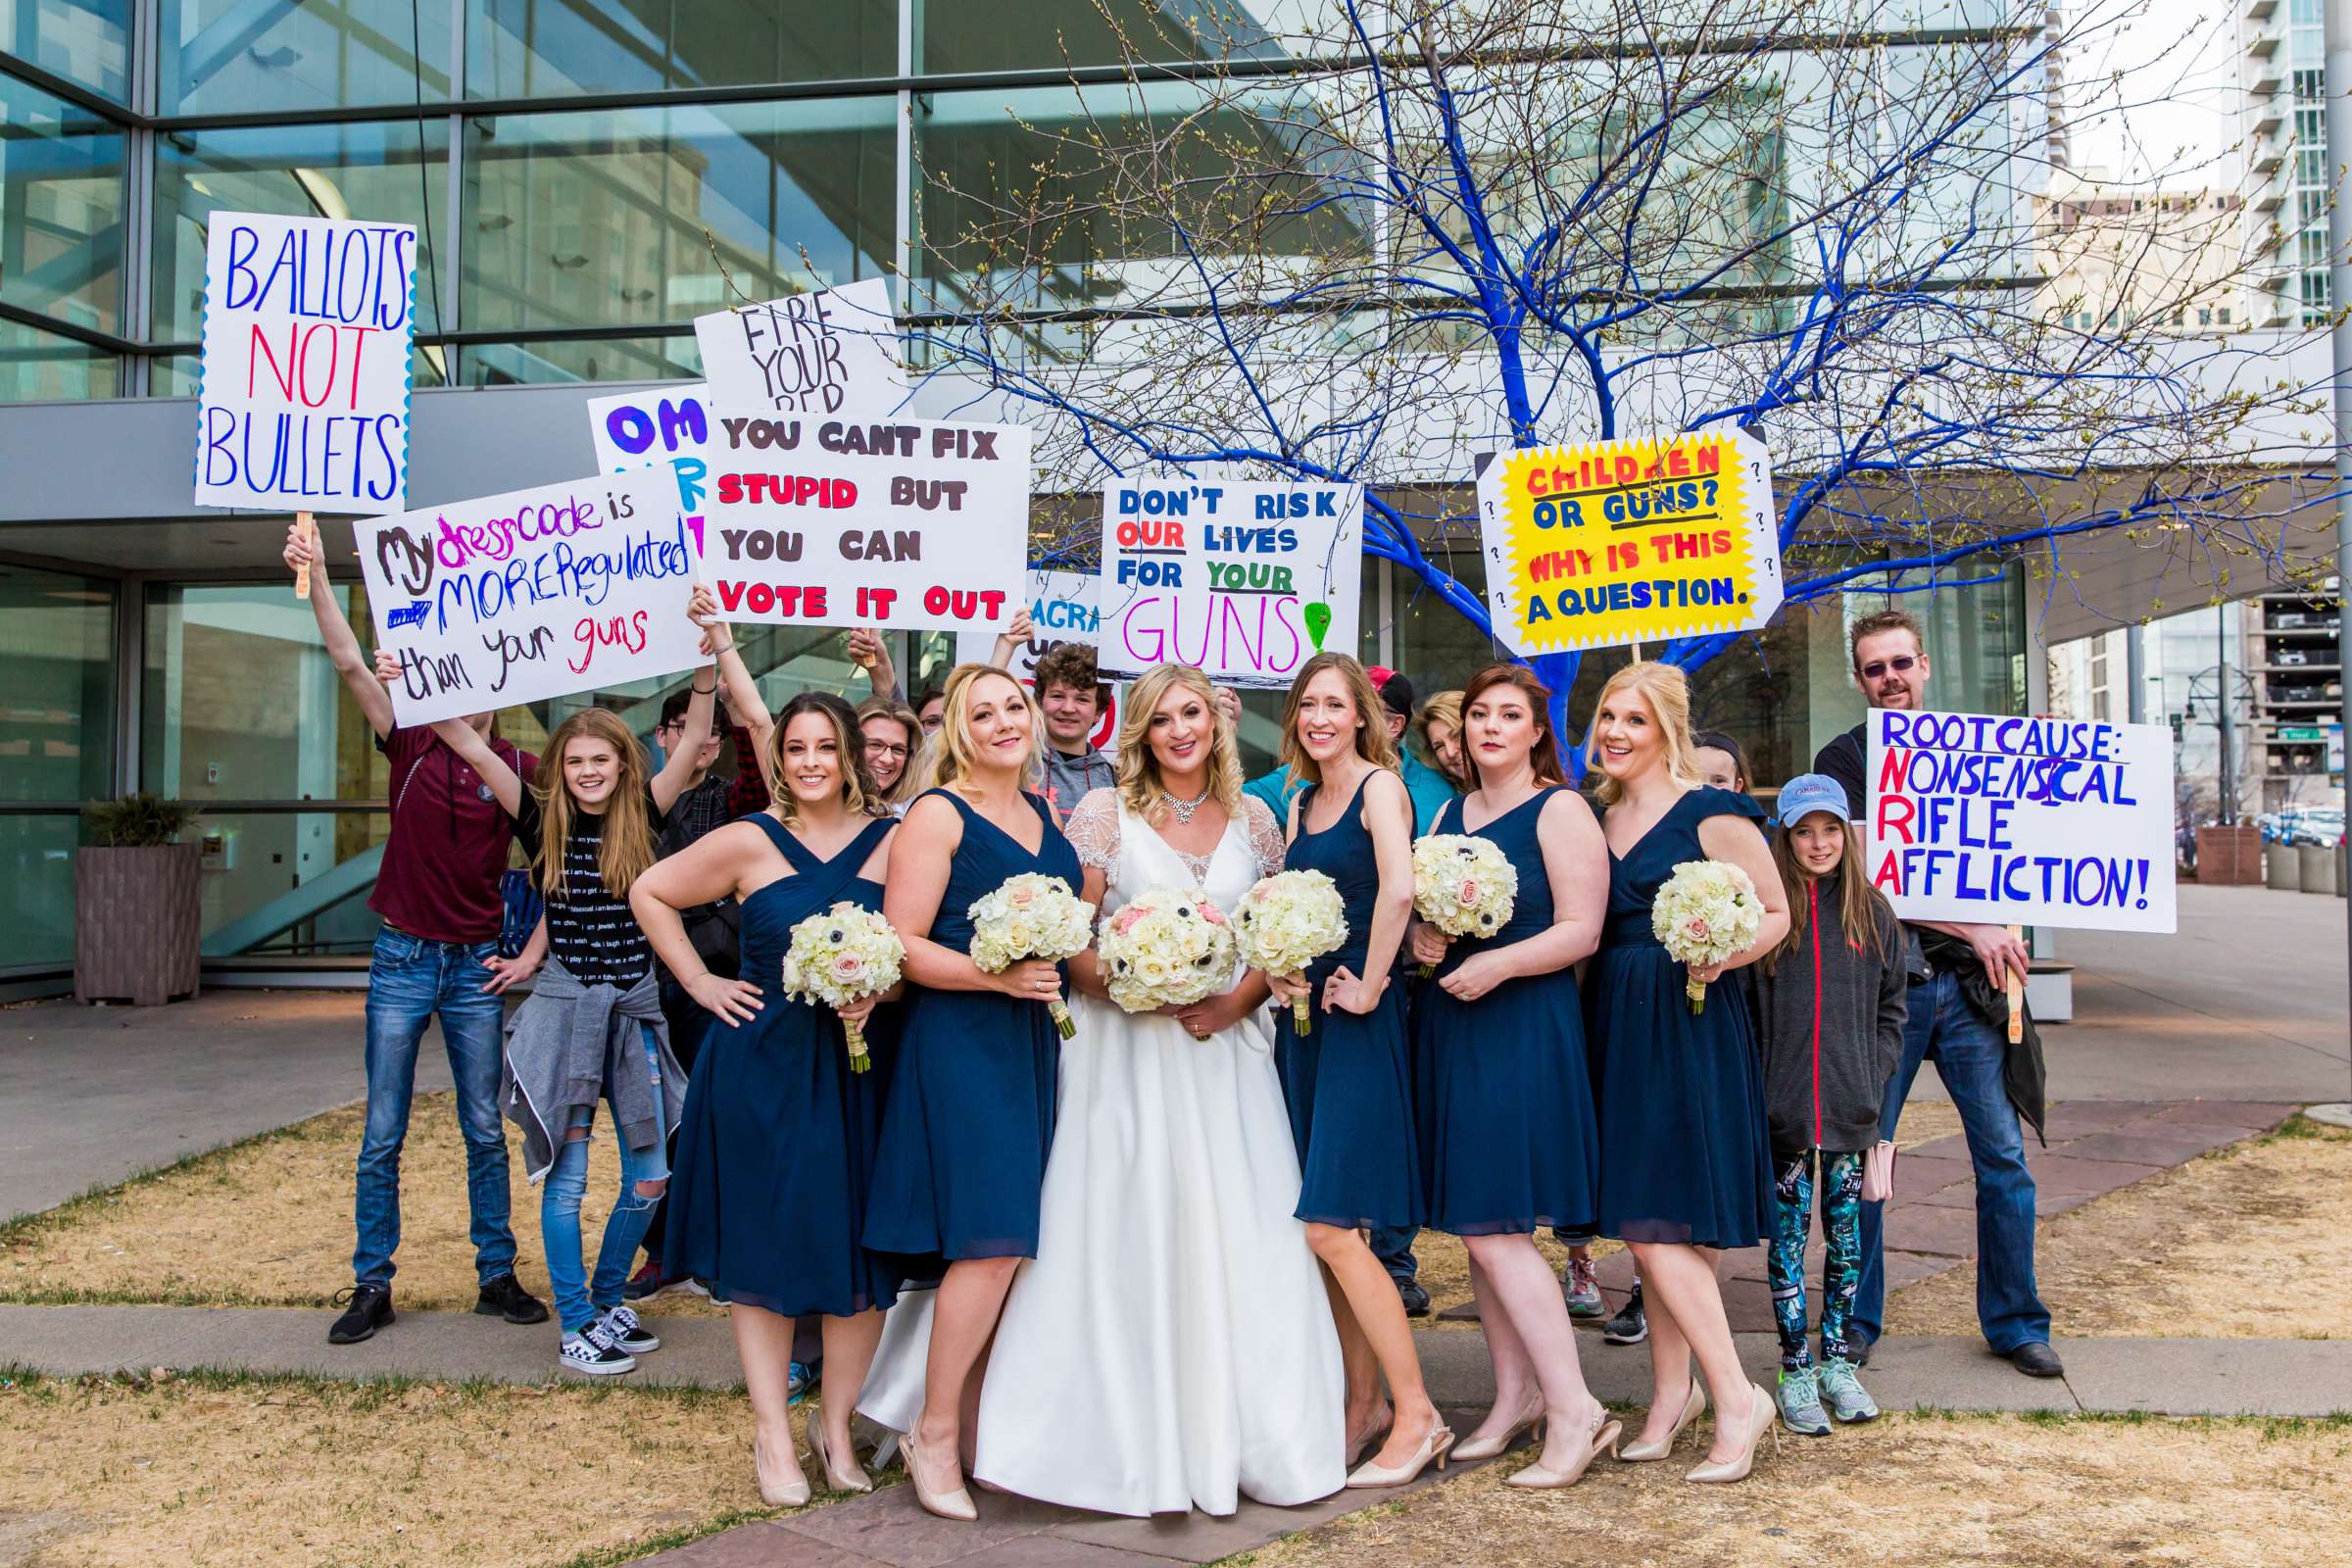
[830, 352]
[1248, 582]
[303, 402]
[905, 524]
[534, 594]
[2021, 821]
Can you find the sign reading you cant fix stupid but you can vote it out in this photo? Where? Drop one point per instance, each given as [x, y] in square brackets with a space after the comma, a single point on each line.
[1247, 580]
[1638, 541]
[303, 402]
[2022, 821]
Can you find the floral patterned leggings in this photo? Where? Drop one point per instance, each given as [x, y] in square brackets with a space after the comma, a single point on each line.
[1841, 1264]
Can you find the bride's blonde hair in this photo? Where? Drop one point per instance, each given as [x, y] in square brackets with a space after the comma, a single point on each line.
[1137, 775]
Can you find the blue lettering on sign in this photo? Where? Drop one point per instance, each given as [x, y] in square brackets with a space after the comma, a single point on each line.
[412, 613]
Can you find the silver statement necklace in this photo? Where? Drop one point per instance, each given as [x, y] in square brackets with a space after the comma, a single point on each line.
[1183, 810]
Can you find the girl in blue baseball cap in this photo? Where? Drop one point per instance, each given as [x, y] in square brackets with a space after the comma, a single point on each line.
[1829, 1002]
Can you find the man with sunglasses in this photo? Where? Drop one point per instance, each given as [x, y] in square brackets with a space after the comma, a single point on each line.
[1959, 980]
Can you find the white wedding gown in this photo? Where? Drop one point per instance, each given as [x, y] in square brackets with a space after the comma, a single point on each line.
[1171, 1347]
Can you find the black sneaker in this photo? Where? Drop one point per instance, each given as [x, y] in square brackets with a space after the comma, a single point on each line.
[505, 1297]
[620, 1326]
[369, 1309]
[594, 1355]
[1414, 1296]
[1857, 1351]
[1631, 1326]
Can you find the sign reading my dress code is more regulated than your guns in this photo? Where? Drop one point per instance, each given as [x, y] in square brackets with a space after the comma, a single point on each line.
[2021, 821]
[1638, 541]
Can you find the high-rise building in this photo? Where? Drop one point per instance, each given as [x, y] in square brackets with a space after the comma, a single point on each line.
[2282, 65]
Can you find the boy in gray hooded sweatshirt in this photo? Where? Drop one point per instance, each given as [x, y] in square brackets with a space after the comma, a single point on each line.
[1829, 1005]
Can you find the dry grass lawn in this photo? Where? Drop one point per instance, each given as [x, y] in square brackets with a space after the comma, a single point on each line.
[1924, 1489]
[268, 1223]
[108, 1473]
[2252, 1241]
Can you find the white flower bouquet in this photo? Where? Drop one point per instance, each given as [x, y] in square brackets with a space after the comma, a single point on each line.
[1287, 922]
[1168, 947]
[1463, 885]
[1705, 913]
[840, 957]
[1031, 915]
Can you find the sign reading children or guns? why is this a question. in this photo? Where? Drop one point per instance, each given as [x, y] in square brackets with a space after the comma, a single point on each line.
[2021, 821]
[830, 352]
[303, 402]
[535, 594]
[1633, 541]
[906, 524]
[1245, 580]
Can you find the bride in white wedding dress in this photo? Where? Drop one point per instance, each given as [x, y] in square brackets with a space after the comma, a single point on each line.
[1171, 1346]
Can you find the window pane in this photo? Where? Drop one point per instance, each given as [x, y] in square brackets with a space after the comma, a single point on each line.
[609, 219]
[88, 41]
[369, 169]
[38, 366]
[604, 359]
[526, 48]
[61, 209]
[57, 729]
[955, 36]
[222, 56]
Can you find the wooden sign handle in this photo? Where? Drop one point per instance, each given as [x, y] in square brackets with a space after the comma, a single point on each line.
[302, 573]
[2016, 996]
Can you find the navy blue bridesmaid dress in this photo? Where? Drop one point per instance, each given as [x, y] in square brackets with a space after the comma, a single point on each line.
[1683, 1153]
[777, 1147]
[971, 1113]
[1346, 1082]
[1506, 1099]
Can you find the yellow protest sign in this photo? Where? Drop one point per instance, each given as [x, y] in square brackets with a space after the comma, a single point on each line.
[1636, 541]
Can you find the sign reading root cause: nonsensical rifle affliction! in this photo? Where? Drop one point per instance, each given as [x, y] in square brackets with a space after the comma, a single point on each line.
[906, 524]
[1619, 542]
[2022, 821]
[534, 594]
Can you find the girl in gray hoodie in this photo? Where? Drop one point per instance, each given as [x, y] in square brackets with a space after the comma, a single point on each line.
[1830, 1004]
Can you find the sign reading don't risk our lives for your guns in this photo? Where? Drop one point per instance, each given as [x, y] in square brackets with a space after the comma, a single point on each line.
[535, 594]
[905, 524]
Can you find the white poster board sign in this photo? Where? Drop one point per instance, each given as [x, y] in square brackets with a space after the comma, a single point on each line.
[303, 399]
[832, 352]
[664, 428]
[905, 524]
[530, 595]
[1245, 580]
[2021, 821]
[1064, 606]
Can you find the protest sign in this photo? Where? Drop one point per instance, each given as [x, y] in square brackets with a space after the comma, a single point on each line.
[1629, 541]
[1064, 606]
[666, 428]
[534, 594]
[834, 352]
[1248, 582]
[303, 397]
[904, 523]
[2021, 821]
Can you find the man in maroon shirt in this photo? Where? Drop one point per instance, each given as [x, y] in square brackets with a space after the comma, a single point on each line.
[436, 957]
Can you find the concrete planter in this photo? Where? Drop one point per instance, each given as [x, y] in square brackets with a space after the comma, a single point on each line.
[138, 922]
[2318, 868]
[2284, 868]
[2229, 857]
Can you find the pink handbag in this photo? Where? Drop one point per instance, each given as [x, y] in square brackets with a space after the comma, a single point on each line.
[1878, 1171]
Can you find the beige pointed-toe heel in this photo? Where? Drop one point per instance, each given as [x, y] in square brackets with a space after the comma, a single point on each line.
[1541, 1477]
[1762, 1418]
[1436, 1444]
[948, 1503]
[1495, 1448]
[779, 1491]
[838, 1477]
[1695, 1405]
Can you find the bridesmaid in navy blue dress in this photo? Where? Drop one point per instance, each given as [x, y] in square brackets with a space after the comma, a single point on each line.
[970, 1116]
[1506, 1102]
[767, 1199]
[1685, 1166]
[1347, 1081]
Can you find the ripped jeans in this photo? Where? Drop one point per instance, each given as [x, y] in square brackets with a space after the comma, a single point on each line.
[580, 1300]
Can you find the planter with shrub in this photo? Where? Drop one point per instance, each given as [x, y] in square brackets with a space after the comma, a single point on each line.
[138, 912]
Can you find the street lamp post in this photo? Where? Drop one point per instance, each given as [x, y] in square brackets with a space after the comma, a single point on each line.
[2337, 31]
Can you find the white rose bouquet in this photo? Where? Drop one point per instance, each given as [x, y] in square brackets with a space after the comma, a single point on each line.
[1463, 885]
[1168, 947]
[1705, 913]
[1031, 915]
[1287, 922]
[840, 957]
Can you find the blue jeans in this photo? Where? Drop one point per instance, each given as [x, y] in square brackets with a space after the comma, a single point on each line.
[1969, 1054]
[579, 1299]
[1393, 1244]
[409, 982]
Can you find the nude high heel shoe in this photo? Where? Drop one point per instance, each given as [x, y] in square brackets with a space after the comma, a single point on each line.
[1761, 1418]
[956, 1504]
[1436, 1444]
[777, 1491]
[1370, 1437]
[1495, 1448]
[1694, 1403]
[838, 1477]
[1538, 1477]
